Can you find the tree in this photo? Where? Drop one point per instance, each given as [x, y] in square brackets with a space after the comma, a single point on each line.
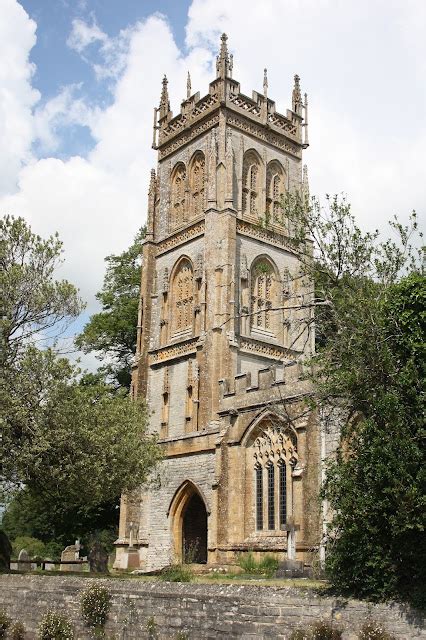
[34, 305]
[70, 443]
[368, 296]
[112, 331]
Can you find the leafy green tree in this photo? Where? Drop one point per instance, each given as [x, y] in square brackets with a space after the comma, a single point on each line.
[70, 443]
[112, 332]
[368, 295]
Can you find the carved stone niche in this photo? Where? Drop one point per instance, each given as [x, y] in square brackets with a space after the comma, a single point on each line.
[244, 272]
[286, 283]
[198, 268]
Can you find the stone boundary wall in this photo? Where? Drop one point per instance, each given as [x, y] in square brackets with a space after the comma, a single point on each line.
[201, 611]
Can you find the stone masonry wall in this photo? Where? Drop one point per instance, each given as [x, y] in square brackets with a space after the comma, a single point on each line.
[200, 611]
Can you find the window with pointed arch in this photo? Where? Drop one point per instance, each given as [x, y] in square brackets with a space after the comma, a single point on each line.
[182, 308]
[274, 458]
[178, 180]
[275, 188]
[263, 296]
[196, 184]
[251, 184]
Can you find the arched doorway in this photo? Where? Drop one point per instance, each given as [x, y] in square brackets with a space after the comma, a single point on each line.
[189, 524]
[194, 531]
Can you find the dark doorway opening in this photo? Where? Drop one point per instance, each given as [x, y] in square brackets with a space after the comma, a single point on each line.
[194, 531]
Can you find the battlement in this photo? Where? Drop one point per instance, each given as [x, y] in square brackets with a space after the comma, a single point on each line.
[267, 379]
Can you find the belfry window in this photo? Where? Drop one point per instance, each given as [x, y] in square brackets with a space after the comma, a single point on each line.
[196, 180]
[274, 191]
[183, 299]
[263, 294]
[275, 454]
[251, 184]
[178, 195]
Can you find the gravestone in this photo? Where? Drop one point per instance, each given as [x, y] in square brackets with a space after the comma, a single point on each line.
[69, 553]
[5, 552]
[98, 559]
[49, 565]
[23, 556]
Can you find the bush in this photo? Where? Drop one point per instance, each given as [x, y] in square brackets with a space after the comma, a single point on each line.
[17, 631]
[32, 546]
[321, 630]
[55, 626]
[268, 565]
[5, 623]
[95, 603]
[372, 630]
[176, 573]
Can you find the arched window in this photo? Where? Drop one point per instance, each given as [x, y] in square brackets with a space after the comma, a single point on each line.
[275, 456]
[263, 295]
[196, 184]
[178, 195]
[251, 184]
[182, 310]
[275, 187]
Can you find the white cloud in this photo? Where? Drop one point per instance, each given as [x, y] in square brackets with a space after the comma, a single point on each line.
[367, 112]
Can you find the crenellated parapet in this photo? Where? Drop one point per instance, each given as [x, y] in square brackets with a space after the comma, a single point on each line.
[271, 385]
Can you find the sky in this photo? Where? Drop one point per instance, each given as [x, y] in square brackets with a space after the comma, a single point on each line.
[79, 80]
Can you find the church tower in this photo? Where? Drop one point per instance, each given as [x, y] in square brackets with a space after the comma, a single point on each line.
[220, 349]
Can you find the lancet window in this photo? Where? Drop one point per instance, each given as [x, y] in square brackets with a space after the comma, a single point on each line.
[178, 195]
[196, 180]
[275, 187]
[251, 184]
[182, 311]
[263, 295]
[275, 455]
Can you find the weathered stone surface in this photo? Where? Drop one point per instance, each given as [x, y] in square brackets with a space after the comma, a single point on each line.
[204, 612]
[98, 559]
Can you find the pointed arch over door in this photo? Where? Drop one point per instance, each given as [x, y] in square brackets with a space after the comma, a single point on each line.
[189, 522]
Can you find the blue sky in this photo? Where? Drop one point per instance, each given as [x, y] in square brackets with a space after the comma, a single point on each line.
[79, 80]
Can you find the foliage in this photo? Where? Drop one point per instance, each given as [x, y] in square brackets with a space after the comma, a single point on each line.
[5, 622]
[176, 573]
[17, 631]
[55, 525]
[34, 305]
[55, 626]
[95, 603]
[182, 635]
[73, 444]
[368, 296]
[372, 630]
[32, 546]
[112, 332]
[266, 566]
[321, 630]
[151, 627]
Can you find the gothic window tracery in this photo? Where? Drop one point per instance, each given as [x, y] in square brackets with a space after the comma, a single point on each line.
[251, 184]
[183, 299]
[275, 187]
[263, 295]
[274, 456]
[178, 195]
[196, 180]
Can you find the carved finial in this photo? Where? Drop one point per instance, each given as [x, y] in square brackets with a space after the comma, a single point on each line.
[265, 83]
[188, 86]
[297, 96]
[164, 100]
[231, 64]
[305, 124]
[223, 64]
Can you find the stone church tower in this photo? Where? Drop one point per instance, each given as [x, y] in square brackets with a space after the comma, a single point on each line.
[220, 348]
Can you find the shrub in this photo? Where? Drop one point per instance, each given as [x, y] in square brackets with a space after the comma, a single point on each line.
[95, 603]
[176, 573]
[268, 565]
[372, 630]
[32, 546]
[151, 627]
[5, 623]
[55, 626]
[321, 630]
[17, 631]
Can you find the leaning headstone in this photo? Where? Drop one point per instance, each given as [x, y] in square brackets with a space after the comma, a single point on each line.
[69, 553]
[23, 564]
[5, 552]
[98, 559]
